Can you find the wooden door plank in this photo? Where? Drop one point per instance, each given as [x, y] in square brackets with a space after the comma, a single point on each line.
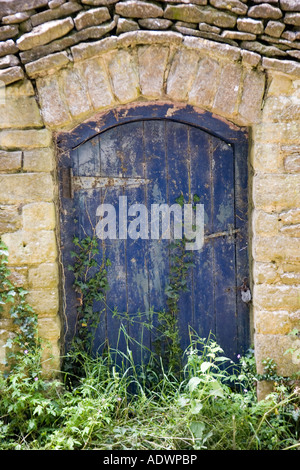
[201, 179]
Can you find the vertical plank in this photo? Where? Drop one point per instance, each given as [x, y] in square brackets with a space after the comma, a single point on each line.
[156, 193]
[224, 251]
[132, 144]
[201, 177]
[178, 154]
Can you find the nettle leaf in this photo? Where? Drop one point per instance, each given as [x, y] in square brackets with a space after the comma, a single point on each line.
[205, 366]
[196, 407]
[197, 429]
[193, 383]
[216, 389]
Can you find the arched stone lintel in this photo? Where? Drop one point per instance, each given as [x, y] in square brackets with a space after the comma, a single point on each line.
[140, 66]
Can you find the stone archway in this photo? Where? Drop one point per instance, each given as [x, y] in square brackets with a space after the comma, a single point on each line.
[164, 66]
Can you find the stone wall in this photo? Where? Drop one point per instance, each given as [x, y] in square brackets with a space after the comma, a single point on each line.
[66, 62]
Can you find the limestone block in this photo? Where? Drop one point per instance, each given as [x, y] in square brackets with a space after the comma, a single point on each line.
[276, 297]
[188, 13]
[18, 276]
[54, 108]
[21, 5]
[16, 18]
[30, 248]
[92, 17]
[280, 248]
[46, 65]
[265, 224]
[8, 32]
[283, 192]
[21, 112]
[140, 37]
[124, 76]
[8, 47]
[196, 14]
[55, 3]
[274, 323]
[124, 25]
[98, 2]
[11, 75]
[152, 66]
[275, 347]
[97, 83]
[280, 85]
[25, 139]
[45, 33]
[88, 50]
[38, 160]
[75, 92]
[205, 84]
[43, 276]
[290, 5]
[205, 46]
[39, 216]
[292, 163]
[290, 267]
[249, 25]
[292, 18]
[236, 6]
[266, 158]
[21, 88]
[44, 302]
[284, 132]
[290, 278]
[154, 23]
[25, 187]
[264, 388]
[138, 9]
[290, 217]
[182, 73]
[62, 44]
[10, 218]
[291, 230]
[238, 35]
[265, 11]
[265, 273]
[46, 16]
[49, 328]
[10, 161]
[252, 95]
[289, 67]
[274, 28]
[225, 101]
[281, 109]
[8, 61]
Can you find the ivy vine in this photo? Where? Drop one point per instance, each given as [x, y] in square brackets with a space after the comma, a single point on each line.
[24, 339]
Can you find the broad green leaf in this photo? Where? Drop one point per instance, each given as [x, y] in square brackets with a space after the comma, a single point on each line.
[197, 429]
[205, 366]
[193, 383]
[196, 406]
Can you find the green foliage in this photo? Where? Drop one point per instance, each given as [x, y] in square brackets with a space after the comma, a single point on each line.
[211, 404]
[25, 320]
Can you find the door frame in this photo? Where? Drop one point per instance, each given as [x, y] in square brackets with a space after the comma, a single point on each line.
[219, 127]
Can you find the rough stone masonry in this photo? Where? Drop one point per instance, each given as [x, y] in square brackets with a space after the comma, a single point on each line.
[61, 62]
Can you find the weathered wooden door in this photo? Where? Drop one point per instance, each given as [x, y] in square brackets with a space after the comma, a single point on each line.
[152, 158]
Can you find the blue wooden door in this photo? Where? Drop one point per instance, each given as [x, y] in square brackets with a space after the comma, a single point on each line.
[155, 161]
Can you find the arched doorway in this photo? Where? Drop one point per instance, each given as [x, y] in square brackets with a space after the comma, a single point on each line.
[150, 155]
